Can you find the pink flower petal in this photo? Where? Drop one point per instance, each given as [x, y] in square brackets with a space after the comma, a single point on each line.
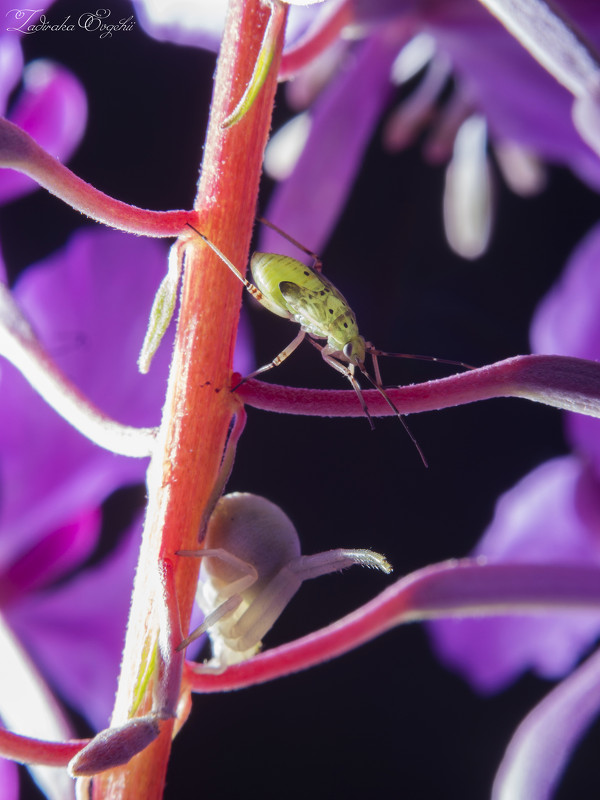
[77, 630]
[537, 521]
[543, 743]
[453, 588]
[53, 109]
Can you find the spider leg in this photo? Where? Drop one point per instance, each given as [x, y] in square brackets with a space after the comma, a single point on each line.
[228, 607]
[267, 606]
[231, 593]
[264, 609]
[224, 470]
[249, 573]
[307, 567]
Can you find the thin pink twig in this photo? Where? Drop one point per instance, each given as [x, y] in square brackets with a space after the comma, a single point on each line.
[452, 588]
[36, 751]
[572, 384]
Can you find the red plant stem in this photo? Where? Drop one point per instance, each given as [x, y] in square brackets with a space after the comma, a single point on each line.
[199, 405]
[316, 40]
[20, 152]
[38, 751]
[572, 384]
[465, 588]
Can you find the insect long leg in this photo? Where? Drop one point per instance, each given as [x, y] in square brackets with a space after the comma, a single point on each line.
[348, 373]
[251, 288]
[317, 265]
[279, 359]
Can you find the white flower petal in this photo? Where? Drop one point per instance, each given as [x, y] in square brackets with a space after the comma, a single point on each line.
[522, 170]
[285, 147]
[28, 707]
[468, 191]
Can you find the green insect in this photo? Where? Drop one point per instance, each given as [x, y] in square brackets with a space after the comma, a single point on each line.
[302, 294]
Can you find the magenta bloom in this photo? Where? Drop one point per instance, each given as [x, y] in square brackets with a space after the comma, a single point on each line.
[54, 481]
[89, 306]
[486, 62]
[348, 88]
[80, 302]
[51, 107]
[551, 516]
[67, 605]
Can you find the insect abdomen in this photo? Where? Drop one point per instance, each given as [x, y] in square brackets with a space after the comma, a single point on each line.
[271, 269]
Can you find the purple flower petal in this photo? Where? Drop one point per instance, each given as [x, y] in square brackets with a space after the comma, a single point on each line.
[53, 109]
[51, 557]
[199, 24]
[243, 356]
[540, 520]
[545, 740]
[183, 22]
[77, 630]
[490, 64]
[89, 305]
[343, 120]
[521, 101]
[11, 66]
[567, 322]
[9, 779]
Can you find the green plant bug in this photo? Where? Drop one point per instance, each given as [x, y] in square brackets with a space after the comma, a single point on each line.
[302, 294]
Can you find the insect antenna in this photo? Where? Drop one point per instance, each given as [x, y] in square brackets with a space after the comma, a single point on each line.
[375, 352]
[318, 264]
[382, 392]
[224, 258]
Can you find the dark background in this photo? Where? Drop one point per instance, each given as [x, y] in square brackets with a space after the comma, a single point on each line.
[388, 719]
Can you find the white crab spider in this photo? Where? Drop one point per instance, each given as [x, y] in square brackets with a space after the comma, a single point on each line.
[251, 569]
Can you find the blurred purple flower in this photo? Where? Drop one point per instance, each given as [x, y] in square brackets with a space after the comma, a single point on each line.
[89, 305]
[9, 779]
[543, 519]
[51, 105]
[199, 24]
[552, 515]
[528, 114]
[499, 91]
[54, 481]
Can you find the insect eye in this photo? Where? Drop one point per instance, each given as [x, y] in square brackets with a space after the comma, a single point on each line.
[348, 350]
